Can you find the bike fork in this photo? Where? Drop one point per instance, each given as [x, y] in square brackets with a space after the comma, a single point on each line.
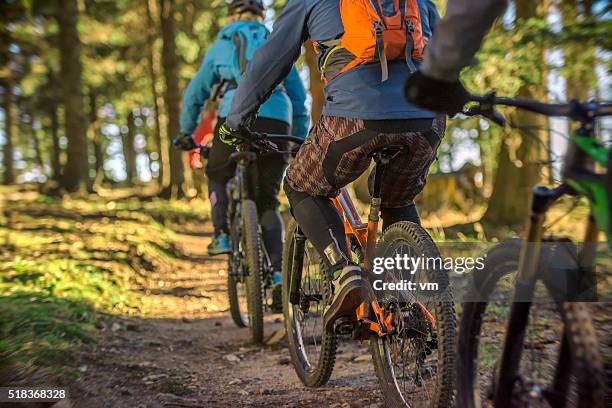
[586, 264]
[529, 259]
[295, 273]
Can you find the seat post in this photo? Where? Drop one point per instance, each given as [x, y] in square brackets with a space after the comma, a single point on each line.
[374, 216]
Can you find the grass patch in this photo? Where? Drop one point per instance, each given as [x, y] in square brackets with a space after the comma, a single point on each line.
[67, 265]
[48, 307]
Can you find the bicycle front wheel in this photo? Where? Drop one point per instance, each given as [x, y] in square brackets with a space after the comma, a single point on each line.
[312, 350]
[236, 285]
[415, 365]
[555, 347]
[250, 237]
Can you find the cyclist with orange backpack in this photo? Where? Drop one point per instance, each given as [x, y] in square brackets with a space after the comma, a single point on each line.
[365, 50]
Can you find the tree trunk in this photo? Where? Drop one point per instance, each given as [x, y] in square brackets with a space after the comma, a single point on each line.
[518, 168]
[153, 77]
[129, 154]
[95, 136]
[579, 59]
[38, 156]
[76, 172]
[316, 85]
[56, 164]
[170, 65]
[9, 132]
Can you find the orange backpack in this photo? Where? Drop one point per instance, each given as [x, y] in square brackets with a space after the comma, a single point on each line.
[374, 31]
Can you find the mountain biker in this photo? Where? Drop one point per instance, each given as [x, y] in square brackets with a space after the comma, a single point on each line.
[436, 85]
[363, 111]
[203, 135]
[283, 113]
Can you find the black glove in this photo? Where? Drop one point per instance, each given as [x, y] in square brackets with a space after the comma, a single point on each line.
[436, 95]
[229, 136]
[184, 143]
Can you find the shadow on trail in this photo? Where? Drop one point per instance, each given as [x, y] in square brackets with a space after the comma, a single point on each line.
[207, 362]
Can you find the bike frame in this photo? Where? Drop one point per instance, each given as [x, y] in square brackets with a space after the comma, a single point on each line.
[365, 235]
[579, 178]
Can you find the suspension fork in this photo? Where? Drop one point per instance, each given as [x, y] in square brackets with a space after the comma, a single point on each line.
[587, 284]
[295, 274]
[542, 199]
[245, 180]
[246, 173]
[244, 185]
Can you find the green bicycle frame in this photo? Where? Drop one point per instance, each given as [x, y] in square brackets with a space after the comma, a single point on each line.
[579, 178]
[595, 187]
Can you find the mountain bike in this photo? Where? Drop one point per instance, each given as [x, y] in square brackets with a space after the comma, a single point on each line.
[548, 355]
[250, 272]
[412, 340]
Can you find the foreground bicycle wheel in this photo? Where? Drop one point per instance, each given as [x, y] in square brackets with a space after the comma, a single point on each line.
[254, 288]
[313, 352]
[236, 287]
[415, 365]
[559, 366]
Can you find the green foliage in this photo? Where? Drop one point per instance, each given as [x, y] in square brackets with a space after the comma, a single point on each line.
[66, 270]
[50, 306]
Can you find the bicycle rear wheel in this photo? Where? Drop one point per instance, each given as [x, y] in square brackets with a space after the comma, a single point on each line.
[558, 364]
[254, 286]
[415, 365]
[312, 350]
[236, 275]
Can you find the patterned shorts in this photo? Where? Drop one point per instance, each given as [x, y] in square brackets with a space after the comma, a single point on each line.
[338, 150]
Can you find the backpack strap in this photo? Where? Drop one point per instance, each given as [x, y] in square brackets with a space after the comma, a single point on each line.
[379, 27]
[380, 50]
[410, 46]
[241, 49]
[376, 7]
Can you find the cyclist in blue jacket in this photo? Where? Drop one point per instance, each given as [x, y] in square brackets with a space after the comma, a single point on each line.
[283, 113]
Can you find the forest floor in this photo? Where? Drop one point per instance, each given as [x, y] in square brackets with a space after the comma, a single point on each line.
[149, 312]
[188, 353]
[118, 301]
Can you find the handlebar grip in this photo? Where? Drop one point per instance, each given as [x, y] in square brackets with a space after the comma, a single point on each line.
[492, 114]
[497, 117]
[605, 109]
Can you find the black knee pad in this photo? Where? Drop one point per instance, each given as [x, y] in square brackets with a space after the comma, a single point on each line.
[271, 220]
[266, 205]
[321, 224]
[406, 213]
[220, 175]
[294, 196]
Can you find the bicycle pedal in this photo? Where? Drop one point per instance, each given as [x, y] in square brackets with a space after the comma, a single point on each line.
[344, 325]
[360, 332]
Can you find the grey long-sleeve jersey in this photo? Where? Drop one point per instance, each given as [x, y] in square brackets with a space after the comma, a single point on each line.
[459, 35]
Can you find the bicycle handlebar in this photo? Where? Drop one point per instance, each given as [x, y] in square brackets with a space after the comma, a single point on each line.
[265, 141]
[574, 110]
[254, 136]
[259, 141]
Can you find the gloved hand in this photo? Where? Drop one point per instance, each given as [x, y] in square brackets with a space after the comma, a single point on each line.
[436, 95]
[229, 136]
[184, 143]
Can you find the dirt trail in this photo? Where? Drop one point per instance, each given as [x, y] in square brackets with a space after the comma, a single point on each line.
[188, 353]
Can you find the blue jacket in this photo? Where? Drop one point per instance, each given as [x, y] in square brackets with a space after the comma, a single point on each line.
[285, 103]
[358, 93]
